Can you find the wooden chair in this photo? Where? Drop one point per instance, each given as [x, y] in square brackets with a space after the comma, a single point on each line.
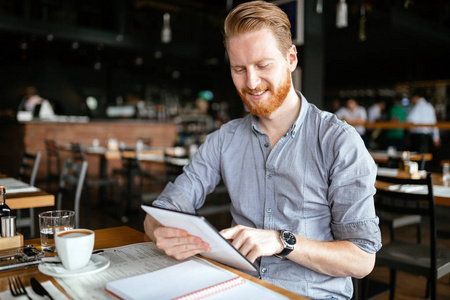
[53, 163]
[418, 259]
[28, 173]
[71, 184]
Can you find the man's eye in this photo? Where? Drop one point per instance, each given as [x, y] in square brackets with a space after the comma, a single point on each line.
[263, 66]
[238, 70]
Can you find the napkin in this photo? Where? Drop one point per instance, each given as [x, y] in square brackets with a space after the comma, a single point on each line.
[48, 285]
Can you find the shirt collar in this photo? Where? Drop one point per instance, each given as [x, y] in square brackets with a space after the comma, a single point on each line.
[298, 122]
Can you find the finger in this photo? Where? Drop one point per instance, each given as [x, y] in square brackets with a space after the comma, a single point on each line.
[230, 233]
[185, 248]
[169, 242]
[169, 232]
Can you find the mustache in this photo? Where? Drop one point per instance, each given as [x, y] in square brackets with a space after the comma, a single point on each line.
[257, 90]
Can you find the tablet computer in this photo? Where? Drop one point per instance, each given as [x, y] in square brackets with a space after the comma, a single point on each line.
[221, 250]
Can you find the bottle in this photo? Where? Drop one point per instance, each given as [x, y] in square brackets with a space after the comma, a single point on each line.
[4, 208]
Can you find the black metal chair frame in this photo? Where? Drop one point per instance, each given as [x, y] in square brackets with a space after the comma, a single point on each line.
[27, 173]
[72, 178]
[78, 155]
[418, 259]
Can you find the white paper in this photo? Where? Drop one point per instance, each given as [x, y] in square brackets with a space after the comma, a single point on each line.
[142, 258]
[126, 261]
[13, 186]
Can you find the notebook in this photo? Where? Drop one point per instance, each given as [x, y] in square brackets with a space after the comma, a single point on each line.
[189, 280]
[221, 250]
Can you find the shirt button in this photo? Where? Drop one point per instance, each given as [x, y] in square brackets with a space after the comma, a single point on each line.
[269, 210]
[269, 176]
[266, 145]
[263, 270]
[293, 132]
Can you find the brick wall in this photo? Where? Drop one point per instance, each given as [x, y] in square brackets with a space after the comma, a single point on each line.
[30, 136]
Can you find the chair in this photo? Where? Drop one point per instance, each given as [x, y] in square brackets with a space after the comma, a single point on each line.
[53, 163]
[418, 259]
[72, 179]
[131, 170]
[28, 173]
[78, 155]
[395, 221]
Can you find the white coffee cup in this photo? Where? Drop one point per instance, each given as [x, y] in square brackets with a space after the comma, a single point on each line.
[75, 247]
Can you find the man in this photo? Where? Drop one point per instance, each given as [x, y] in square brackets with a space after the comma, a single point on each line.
[355, 115]
[287, 166]
[423, 138]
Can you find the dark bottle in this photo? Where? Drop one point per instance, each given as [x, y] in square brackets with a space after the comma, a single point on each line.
[4, 208]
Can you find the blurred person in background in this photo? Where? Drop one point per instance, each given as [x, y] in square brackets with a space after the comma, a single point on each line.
[376, 113]
[422, 139]
[31, 101]
[355, 115]
[397, 113]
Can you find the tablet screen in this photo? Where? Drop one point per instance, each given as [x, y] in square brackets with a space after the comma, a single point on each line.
[221, 250]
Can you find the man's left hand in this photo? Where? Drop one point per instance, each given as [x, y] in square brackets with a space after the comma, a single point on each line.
[252, 242]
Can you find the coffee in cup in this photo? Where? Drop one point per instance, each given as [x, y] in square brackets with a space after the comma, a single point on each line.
[75, 247]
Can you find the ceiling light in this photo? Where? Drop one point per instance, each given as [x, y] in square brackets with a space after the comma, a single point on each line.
[341, 14]
[166, 32]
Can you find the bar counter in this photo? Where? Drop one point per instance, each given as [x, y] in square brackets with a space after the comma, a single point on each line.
[15, 138]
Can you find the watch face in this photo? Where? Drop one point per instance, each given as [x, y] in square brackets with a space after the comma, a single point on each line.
[289, 238]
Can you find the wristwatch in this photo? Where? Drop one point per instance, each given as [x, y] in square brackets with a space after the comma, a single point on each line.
[288, 239]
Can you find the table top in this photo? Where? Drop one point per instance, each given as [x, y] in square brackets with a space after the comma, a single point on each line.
[116, 237]
[383, 157]
[21, 195]
[441, 188]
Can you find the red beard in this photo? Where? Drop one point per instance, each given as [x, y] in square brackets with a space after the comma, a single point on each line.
[268, 106]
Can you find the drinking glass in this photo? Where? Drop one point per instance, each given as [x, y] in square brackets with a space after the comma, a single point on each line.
[51, 222]
[446, 172]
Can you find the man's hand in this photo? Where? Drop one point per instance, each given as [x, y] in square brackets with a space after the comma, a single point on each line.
[175, 242]
[253, 243]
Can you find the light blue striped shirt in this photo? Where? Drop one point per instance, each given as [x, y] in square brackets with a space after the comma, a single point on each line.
[317, 181]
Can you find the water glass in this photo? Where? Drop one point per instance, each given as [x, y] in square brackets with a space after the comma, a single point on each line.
[51, 222]
[446, 172]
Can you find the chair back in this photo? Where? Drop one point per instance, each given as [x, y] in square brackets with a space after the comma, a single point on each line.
[409, 196]
[72, 178]
[53, 159]
[29, 167]
[130, 162]
[78, 154]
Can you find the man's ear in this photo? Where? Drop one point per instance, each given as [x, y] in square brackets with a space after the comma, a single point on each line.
[292, 58]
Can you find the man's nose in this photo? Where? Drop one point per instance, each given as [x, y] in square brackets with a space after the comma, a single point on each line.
[253, 79]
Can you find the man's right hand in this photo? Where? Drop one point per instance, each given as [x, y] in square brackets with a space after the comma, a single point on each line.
[175, 242]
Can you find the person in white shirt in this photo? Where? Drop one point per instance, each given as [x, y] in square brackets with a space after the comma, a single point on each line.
[354, 115]
[422, 138]
[375, 112]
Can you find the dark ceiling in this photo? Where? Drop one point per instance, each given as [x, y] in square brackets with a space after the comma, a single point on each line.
[403, 43]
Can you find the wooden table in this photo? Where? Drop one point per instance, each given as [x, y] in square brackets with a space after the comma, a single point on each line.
[116, 237]
[383, 157]
[28, 200]
[25, 196]
[441, 199]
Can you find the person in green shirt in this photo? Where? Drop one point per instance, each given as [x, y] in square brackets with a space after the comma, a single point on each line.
[394, 137]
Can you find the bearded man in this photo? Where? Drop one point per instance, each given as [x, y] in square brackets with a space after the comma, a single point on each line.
[301, 181]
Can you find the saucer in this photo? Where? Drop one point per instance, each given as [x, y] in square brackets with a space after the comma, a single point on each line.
[96, 264]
